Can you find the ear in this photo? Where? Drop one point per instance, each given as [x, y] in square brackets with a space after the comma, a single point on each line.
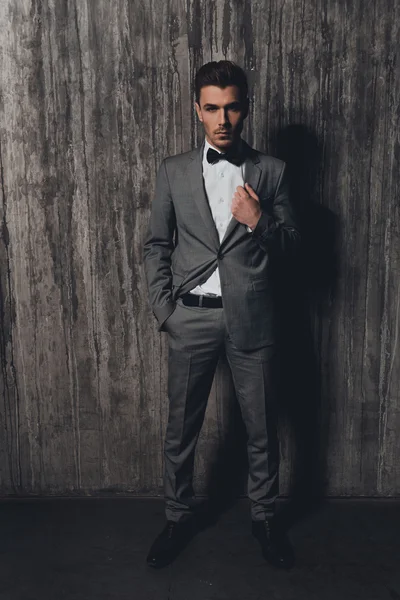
[198, 110]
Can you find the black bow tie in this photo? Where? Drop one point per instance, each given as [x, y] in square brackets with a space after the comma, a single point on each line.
[233, 157]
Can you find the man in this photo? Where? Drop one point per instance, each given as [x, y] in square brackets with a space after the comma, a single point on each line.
[220, 215]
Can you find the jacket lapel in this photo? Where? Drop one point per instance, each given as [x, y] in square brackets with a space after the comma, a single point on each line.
[195, 176]
[252, 174]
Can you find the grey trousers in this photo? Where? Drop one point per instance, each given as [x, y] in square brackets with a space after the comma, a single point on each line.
[196, 336]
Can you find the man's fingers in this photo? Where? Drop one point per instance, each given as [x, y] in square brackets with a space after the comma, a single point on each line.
[250, 190]
[244, 192]
[240, 192]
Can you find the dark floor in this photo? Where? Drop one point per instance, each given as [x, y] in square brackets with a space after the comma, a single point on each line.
[92, 548]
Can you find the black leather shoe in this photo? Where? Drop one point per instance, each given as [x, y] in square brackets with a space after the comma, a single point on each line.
[275, 545]
[170, 542]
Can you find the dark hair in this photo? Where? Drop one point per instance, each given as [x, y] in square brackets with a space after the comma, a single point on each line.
[221, 74]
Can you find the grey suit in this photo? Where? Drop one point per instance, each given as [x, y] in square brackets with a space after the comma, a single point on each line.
[181, 250]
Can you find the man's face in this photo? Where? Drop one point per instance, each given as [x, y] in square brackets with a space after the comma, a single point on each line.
[222, 115]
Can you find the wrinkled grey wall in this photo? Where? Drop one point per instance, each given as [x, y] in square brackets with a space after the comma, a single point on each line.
[93, 95]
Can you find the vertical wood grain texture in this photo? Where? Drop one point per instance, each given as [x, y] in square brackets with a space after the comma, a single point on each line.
[93, 96]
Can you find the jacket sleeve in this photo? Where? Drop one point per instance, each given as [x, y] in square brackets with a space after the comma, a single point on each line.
[158, 247]
[279, 233]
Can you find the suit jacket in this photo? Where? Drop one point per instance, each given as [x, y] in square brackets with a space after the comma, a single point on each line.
[182, 246]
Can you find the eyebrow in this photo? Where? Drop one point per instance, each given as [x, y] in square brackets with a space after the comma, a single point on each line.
[209, 105]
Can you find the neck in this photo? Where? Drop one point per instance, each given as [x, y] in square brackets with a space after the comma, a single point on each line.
[232, 148]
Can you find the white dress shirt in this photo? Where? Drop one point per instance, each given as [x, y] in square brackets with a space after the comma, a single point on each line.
[220, 181]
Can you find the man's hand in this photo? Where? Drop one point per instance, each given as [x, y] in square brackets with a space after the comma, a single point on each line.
[246, 206]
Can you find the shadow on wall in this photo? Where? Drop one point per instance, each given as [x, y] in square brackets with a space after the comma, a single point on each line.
[304, 288]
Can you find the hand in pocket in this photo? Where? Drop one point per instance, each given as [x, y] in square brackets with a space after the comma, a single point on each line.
[167, 322]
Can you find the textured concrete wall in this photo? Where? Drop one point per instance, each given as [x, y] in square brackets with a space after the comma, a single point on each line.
[93, 95]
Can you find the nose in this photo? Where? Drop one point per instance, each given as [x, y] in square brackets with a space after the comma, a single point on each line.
[223, 118]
